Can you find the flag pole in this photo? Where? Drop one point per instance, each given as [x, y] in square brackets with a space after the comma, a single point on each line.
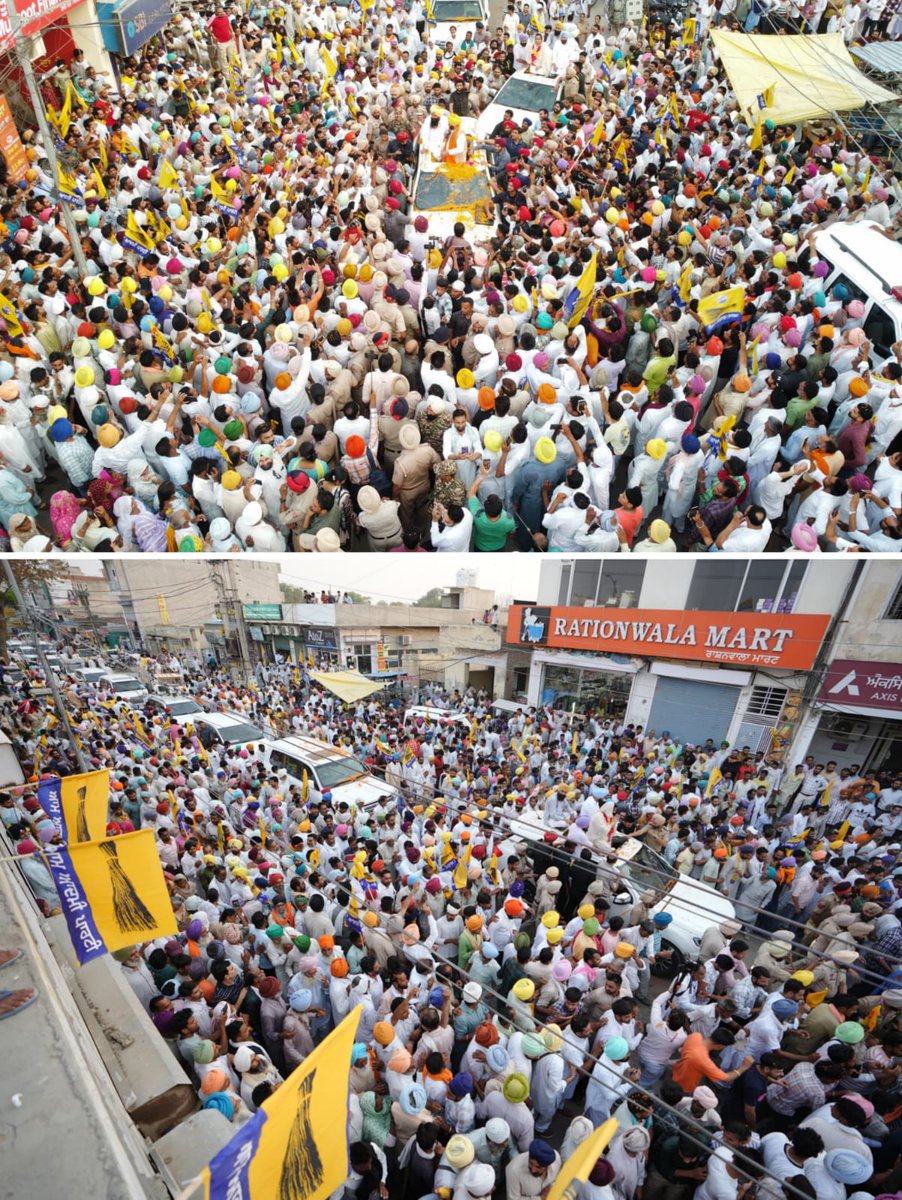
[23, 54]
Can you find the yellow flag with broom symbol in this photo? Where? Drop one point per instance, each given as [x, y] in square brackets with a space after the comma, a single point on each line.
[77, 804]
[113, 893]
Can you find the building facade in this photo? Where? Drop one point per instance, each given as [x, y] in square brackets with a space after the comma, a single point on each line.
[746, 651]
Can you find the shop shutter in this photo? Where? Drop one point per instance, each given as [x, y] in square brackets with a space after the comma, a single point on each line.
[692, 711]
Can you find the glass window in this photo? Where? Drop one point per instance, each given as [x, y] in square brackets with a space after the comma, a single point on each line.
[621, 584]
[761, 589]
[606, 693]
[585, 581]
[879, 327]
[894, 608]
[529, 94]
[457, 10]
[791, 586]
[231, 735]
[715, 586]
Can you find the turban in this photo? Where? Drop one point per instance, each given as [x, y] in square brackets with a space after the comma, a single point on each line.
[784, 1010]
[478, 1179]
[497, 1130]
[636, 1139]
[461, 1085]
[602, 1173]
[242, 1059]
[358, 1050]
[413, 1099]
[220, 1102]
[847, 1167]
[269, 988]
[541, 1152]
[486, 1034]
[705, 1097]
[214, 1081]
[204, 1051]
[400, 1061]
[497, 1059]
[516, 1088]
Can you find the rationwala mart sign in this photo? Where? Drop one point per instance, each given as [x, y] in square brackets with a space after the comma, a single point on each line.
[34, 15]
[781, 640]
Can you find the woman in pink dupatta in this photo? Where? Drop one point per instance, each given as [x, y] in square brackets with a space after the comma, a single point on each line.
[64, 509]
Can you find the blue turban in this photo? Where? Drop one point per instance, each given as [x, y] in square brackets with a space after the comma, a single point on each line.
[497, 1058]
[358, 1050]
[662, 920]
[690, 443]
[413, 1099]
[61, 430]
[846, 1166]
[772, 361]
[221, 1102]
[461, 1085]
[517, 888]
[785, 1009]
[541, 1152]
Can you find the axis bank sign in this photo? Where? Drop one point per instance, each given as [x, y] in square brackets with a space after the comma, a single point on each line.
[781, 640]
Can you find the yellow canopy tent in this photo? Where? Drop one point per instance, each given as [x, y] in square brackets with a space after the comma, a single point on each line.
[347, 685]
[811, 75]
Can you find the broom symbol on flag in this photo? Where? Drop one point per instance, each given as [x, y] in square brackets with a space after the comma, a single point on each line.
[302, 1167]
[128, 907]
[81, 819]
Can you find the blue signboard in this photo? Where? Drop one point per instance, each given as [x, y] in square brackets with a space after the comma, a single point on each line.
[320, 639]
[130, 25]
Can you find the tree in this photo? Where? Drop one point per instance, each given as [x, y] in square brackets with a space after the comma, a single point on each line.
[432, 599]
[292, 595]
[32, 574]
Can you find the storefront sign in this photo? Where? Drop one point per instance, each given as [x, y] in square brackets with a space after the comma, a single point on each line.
[783, 640]
[863, 684]
[263, 612]
[11, 146]
[129, 25]
[33, 17]
[323, 639]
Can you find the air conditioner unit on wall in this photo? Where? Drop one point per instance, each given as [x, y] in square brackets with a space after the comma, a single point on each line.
[405, 640]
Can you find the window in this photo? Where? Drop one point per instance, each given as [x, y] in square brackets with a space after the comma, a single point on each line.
[605, 693]
[880, 330]
[715, 585]
[521, 681]
[766, 702]
[584, 587]
[791, 586]
[894, 608]
[528, 94]
[761, 586]
[621, 584]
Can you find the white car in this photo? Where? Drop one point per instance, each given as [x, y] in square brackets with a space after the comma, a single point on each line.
[461, 16]
[694, 906]
[447, 194]
[869, 266]
[231, 729]
[184, 708]
[524, 95]
[328, 770]
[438, 717]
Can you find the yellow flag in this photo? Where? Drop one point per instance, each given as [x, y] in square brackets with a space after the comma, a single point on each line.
[113, 893]
[102, 155]
[674, 109]
[78, 804]
[462, 870]
[293, 51]
[579, 1165]
[127, 146]
[597, 134]
[10, 317]
[768, 96]
[101, 186]
[787, 178]
[65, 114]
[53, 117]
[168, 176]
[721, 307]
[72, 94]
[685, 283]
[690, 31]
[330, 64]
[295, 1147]
[580, 297]
[714, 779]
[217, 190]
[67, 184]
[136, 233]
[757, 140]
[866, 181]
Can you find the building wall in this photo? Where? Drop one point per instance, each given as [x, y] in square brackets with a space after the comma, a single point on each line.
[864, 633]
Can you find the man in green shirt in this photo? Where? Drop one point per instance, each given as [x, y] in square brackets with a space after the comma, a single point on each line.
[491, 524]
[804, 402]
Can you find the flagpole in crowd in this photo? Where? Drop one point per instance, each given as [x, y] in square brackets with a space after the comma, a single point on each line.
[23, 54]
[48, 673]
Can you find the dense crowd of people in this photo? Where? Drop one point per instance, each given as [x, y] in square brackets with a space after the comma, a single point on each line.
[510, 996]
[273, 349]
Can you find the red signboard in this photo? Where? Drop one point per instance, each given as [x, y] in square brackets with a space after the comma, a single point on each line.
[787, 641]
[34, 15]
[11, 145]
[863, 684]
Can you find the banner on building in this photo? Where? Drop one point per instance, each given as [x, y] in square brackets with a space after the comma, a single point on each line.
[295, 1147]
[78, 804]
[113, 893]
[852, 683]
[11, 145]
[787, 641]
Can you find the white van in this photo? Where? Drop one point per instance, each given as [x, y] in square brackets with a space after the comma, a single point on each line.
[869, 265]
[126, 687]
[328, 769]
[460, 15]
[11, 773]
[438, 717]
[230, 729]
